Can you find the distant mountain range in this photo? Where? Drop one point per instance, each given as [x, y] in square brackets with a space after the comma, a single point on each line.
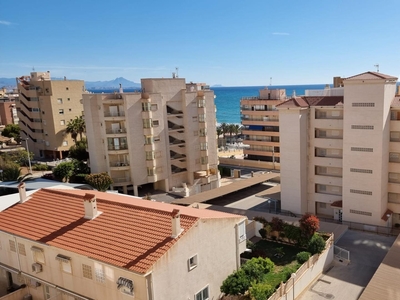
[90, 85]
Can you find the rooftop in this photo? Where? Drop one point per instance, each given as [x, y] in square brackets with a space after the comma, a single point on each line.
[130, 233]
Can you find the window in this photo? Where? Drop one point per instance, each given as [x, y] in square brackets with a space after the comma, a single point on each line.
[147, 123]
[21, 249]
[12, 246]
[153, 107]
[360, 170]
[67, 88]
[204, 160]
[59, 100]
[360, 104]
[360, 212]
[360, 192]
[242, 231]
[69, 99]
[38, 254]
[156, 123]
[203, 146]
[87, 271]
[61, 111]
[202, 118]
[35, 110]
[100, 275]
[62, 122]
[65, 143]
[203, 294]
[44, 122]
[201, 103]
[146, 106]
[203, 132]
[148, 140]
[194, 119]
[69, 109]
[151, 171]
[192, 262]
[65, 263]
[322, 205]
[149, 155]
[156, 138]
[362, 149]
[368, 127]
[125, 285]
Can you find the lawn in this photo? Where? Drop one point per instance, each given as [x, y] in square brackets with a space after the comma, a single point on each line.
[282, 255]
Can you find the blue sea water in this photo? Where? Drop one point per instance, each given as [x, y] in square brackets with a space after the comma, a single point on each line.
[228, 98]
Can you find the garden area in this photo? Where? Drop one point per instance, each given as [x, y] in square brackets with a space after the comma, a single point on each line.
[280, 251]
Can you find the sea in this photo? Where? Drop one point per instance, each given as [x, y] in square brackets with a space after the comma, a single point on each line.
[227, 99]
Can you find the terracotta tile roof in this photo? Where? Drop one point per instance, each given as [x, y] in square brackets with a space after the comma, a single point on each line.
[312, 101]
[338, 203]
[387, 215]
[370, 76]
[130, 233]
[396, 102]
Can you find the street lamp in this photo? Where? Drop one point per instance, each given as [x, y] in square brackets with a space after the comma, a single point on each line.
[29, 156]
[293, 276]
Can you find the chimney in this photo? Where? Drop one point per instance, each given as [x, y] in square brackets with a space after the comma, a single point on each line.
[90, 203]
[22, 192]
[176, 223]
[120, 89]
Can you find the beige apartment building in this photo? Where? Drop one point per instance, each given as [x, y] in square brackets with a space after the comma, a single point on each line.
[341, 154]
[8, 109]
[45, 106]
[75, 244]
[164, 136]
[260, 119]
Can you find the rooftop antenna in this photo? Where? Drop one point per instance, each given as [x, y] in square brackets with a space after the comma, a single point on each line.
[270, 81]
[377, 67]
[177, 74]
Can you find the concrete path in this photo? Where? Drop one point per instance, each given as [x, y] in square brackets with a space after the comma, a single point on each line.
[347, 282]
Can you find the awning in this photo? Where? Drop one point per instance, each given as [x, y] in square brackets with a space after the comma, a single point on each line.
[386, 215]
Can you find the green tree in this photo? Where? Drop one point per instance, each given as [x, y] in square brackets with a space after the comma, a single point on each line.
[12, 131]
[76, 127]
[236, 284]
[20, 157]
[260, 291]
[257, 267]
[64, 171]
[100, 181]
[309, 224]
[78, 151]
[316, 244]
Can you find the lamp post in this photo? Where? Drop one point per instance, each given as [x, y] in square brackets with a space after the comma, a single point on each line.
[388, 221]
[29, 156]
[293, 276]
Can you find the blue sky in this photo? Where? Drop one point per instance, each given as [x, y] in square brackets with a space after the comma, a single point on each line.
[233, 43]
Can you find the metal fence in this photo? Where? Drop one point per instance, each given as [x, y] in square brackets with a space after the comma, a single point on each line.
[341, 254]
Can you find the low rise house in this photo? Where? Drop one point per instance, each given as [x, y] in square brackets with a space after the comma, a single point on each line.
[76, 244]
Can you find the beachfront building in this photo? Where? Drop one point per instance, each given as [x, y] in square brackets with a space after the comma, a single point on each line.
[45, 107]
[260, 120]
[340, 154]
[75, 244]
[162, 137]
[8, 110]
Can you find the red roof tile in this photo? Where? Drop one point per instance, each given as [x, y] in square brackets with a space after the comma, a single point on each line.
[338, 203]
[130, 233]
[312, 101]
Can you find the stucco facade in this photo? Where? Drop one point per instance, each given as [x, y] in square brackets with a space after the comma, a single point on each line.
[45, 107]
[164, 135]
[343, 164]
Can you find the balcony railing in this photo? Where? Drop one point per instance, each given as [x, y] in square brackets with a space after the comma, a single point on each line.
[117, 147]
[119, 164]
[121, 179]
[114, 114]
[116, 131]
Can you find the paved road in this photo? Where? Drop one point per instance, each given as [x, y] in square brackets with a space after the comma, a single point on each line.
[347, 282]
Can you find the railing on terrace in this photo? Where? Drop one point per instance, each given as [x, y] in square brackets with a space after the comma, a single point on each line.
[121, 179]
[118, 114]
[117, 147]
[115, 131]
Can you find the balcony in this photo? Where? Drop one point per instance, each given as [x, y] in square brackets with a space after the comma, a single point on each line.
[119, 166]
[121, 180]
[109, 114]
[116, 131]
[117, 149]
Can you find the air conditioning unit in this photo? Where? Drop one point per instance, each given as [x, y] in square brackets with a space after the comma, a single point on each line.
[37, 268]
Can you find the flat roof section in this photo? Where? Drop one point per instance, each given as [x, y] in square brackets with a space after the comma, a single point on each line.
[385, 282]
[227, 189]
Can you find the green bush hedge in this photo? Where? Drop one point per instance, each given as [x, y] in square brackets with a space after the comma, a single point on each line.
[303, 256]
[40, 167]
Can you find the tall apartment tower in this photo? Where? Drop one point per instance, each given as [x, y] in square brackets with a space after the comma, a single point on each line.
[164, 136]
[340, 154]
[44, 108]
[260, 119]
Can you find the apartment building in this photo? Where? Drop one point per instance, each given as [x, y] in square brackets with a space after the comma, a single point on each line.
[8, 109]
[260, 119]
[341, 154]
[75, 244]
[45, 107]
[164, 136]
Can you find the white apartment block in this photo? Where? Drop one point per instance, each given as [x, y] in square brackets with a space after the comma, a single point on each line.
[45, 107]
[340, 155]
[164, 135]
[260, 119]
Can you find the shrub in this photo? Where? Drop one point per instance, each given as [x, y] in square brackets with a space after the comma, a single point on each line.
[277, 224]
[40, 167]
[262, 220]
[303, 256]
[235, 284]
[100, 181]
[260, 291]
[263, 233]
[250, 245]
[309, 224]
[64, 171]
[316, 244]
[257, 267]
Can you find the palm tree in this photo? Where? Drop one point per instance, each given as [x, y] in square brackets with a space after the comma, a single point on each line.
[76, 127]
[224, 128]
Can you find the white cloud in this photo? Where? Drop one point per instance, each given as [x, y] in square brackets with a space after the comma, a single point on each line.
[2, 22]
[280, 33]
